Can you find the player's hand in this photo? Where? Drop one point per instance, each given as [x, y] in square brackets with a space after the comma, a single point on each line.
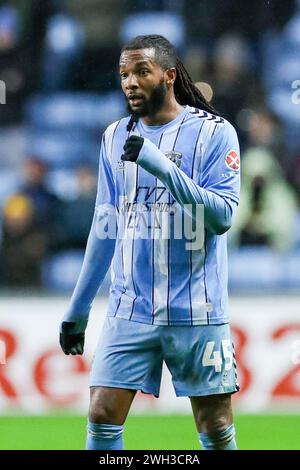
[132, 148]
[71, 343]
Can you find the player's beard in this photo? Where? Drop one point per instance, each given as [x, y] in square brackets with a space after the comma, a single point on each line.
[153, 104]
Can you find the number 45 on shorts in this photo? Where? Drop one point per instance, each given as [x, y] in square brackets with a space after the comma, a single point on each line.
[214, 358]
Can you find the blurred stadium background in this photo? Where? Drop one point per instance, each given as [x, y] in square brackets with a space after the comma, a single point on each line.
[59, 89]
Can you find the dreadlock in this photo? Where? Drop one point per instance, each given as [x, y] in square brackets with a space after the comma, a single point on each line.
[186, 93]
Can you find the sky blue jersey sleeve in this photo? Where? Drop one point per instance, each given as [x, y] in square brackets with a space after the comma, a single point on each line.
[99, 249]
[220, 169]
[215, 191]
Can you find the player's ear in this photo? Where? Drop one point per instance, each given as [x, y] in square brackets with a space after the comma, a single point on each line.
[170, 75]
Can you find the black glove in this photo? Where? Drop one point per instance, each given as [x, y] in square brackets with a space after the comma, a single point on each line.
[132, 148]
[71, 343]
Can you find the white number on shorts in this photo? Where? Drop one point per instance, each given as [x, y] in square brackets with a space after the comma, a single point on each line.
[227, 353]
[214, 358]
[211, 357]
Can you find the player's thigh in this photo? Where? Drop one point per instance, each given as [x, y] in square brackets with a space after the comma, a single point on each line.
[212, 413]
[109, 405]
[201, 360]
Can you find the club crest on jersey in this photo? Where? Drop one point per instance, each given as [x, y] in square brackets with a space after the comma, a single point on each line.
[120, 165]
[232, 161]
[175, 157]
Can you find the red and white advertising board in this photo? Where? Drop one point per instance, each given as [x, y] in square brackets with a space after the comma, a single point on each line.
[38, 378]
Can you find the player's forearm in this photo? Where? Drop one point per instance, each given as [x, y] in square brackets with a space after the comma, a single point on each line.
[217, 212]
[97, 259]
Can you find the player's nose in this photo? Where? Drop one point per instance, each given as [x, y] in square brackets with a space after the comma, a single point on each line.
[131, 82]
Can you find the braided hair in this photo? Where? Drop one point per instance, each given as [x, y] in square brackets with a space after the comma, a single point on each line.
[186, 93]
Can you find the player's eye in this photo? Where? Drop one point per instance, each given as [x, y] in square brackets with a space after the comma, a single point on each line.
[123, 75]
[144, 72]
